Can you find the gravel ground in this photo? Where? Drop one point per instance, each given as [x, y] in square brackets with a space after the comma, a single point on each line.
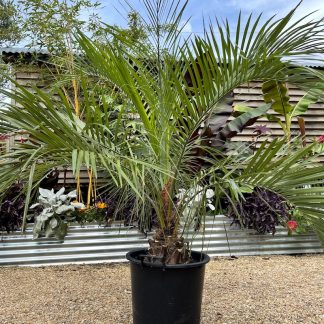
[276, 289]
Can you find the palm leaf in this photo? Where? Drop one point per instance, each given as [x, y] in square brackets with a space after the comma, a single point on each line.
[172, 86]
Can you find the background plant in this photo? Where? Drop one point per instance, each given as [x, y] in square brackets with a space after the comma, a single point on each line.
[52, 213]
[277, 94]
[10, 32]
[12, 208]
[261, 210]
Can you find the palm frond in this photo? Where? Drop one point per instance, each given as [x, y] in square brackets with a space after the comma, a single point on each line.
[172, 86]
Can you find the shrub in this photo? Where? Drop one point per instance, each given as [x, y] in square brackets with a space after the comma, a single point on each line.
[12, 208]
[261, 210]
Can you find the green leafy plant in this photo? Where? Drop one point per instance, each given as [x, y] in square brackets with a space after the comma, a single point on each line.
[49, 24]
[52, 213]
[277, 94]
[90, 215]
[10, 32]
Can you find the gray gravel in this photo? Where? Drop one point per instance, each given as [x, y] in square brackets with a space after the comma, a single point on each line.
[276, 289]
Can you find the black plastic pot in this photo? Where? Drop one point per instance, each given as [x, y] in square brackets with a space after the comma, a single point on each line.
[168, 294]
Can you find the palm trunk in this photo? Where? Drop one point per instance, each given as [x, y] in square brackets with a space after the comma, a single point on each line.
[166, 247]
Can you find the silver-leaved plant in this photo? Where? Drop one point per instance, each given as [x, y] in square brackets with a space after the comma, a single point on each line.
[54, 208]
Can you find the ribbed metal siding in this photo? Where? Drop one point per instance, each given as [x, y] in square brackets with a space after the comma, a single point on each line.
[92, 244]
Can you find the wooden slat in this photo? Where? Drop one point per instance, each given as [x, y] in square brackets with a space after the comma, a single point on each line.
[258, 84]
[27, 83]
[67, 177]
[28, 75]
[294, 127]
[308, 119]
[258, 103]
[3, 147]
[251, 95]
[310, 132]
[259, 97]
[258, 91]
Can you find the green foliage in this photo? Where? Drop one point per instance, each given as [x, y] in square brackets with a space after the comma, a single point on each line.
[247, 118]
[54, 210]
[90, 215]
[49, 24]
[276, 93]
[151, 162]
[10, 33]
[9, 28]
[312, 96]
[136, 31]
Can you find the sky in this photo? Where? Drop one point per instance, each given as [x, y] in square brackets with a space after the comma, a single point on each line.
[113, 12]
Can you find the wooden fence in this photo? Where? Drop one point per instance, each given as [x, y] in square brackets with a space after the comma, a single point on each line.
[248, 94]
[251, 95]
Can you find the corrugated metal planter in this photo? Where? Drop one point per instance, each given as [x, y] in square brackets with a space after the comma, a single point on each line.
[93, 244]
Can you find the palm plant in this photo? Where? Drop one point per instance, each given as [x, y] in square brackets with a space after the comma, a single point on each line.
[171, 86]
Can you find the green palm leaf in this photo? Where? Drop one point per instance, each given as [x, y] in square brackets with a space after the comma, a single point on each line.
[172, 86]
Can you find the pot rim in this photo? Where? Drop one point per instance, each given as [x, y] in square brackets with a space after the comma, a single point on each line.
[131, 257]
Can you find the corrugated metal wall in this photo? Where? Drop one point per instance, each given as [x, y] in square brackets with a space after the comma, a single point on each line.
[93, 244]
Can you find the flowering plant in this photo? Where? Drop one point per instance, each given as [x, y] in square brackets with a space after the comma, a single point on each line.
[101, 205]
[319, 145]
[99, 213]
[292, 225]
[298, 223]
[320, 139]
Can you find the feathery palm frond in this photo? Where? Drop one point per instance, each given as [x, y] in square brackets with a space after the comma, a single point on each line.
[171, 90]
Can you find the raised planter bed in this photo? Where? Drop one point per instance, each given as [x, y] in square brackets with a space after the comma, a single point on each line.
[94, 244]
